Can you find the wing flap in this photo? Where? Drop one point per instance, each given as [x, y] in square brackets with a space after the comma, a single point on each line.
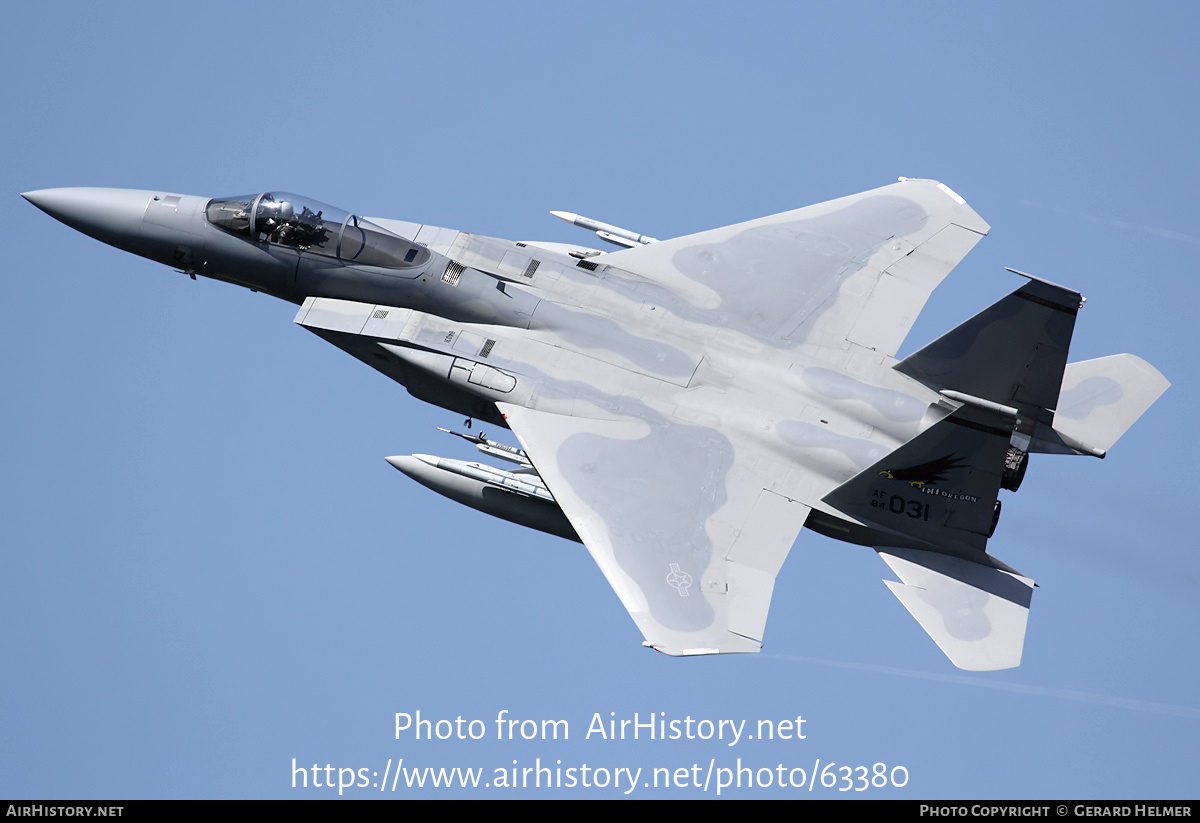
[976, 614]
[756, 557]
[904, 287]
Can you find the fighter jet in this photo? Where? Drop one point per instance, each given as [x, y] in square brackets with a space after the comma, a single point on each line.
[685, 406]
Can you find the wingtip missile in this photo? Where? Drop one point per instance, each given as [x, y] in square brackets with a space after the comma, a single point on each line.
[606, 231]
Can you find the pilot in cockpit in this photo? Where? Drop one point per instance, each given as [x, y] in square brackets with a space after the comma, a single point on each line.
[279, 222]
[272, 216]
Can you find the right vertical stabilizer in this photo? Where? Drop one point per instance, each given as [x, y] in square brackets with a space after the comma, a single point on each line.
[1013, 352]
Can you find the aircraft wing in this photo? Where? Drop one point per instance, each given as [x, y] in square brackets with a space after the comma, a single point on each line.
[678, 515]
[687, 535]
[857, 269]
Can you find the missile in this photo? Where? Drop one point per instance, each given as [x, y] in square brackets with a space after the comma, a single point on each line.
[518, 497]
[501, 450]
[606, 231]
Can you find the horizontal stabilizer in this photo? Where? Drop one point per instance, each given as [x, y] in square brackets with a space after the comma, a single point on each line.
[1012, 352]
[976, 614]
[1102, 398]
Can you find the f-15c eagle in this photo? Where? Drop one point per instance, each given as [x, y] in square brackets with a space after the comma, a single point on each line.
[686, 406]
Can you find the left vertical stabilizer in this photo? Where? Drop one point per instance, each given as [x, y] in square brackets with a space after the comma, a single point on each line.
[939, 488]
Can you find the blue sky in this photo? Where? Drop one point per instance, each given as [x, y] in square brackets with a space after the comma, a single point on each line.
[209, 569]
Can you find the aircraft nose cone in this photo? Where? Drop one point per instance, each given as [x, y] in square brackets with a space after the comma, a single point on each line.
[110, 215]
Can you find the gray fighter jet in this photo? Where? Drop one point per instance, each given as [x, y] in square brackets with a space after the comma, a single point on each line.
[686, 406]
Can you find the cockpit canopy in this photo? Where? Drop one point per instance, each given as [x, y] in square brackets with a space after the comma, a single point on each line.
[304, 224]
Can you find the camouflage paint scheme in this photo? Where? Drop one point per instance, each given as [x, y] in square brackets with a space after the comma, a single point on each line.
[686, 406]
